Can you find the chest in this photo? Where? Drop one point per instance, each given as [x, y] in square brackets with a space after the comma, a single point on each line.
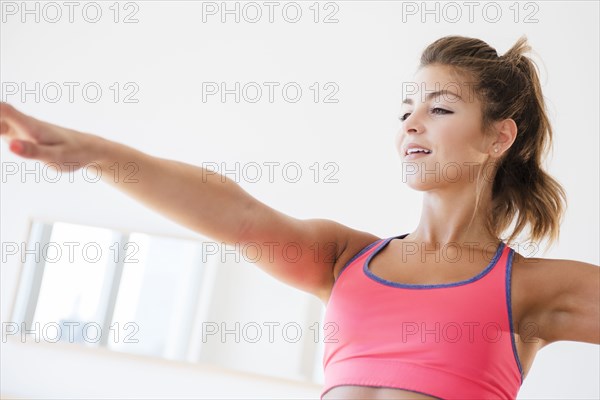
[394, 265]
[426, 269]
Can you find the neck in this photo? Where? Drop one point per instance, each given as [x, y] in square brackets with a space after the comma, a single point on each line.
[449, 218]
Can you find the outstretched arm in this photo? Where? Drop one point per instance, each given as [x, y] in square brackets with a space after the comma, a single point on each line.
[191, 196]
[194, 197]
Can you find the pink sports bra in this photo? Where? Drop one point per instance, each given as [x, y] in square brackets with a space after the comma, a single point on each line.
[451, 341]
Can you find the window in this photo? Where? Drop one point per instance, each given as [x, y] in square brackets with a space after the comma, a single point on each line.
[98, 287]
[165, 297]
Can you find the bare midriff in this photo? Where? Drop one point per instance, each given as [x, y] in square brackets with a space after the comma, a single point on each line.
[375, 393]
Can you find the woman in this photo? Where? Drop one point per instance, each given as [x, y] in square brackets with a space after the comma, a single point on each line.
[446, 311]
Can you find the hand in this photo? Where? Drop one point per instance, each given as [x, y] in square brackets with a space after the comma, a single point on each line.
[35, 139]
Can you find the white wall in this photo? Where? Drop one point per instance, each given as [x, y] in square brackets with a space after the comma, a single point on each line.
[368, 54]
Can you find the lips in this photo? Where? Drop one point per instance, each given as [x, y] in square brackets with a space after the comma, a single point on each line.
[416, 155]
[414, 149]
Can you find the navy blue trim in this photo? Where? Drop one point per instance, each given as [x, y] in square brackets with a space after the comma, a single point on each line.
[417, 286]
[360, 253]
[509, 306]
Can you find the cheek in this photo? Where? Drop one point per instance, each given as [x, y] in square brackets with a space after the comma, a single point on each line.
[461, 140]
[462, 151]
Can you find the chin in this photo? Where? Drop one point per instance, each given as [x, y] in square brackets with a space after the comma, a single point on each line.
[420, 185]
[413, 175]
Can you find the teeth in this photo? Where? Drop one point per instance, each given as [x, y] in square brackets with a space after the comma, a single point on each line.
[417, 150]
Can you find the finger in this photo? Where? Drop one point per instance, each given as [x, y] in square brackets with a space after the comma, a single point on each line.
[31, 150]
[8, 112]
[16, 147]
[5, 129]
[10, 117]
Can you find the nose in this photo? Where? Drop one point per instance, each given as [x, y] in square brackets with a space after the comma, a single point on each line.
[412, 124]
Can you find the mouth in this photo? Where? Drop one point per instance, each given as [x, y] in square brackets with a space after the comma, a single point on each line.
[415, 153]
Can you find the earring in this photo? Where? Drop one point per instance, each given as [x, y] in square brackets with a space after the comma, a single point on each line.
[495, 150]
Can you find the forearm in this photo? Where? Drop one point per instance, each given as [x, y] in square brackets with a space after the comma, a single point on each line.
[199, 199]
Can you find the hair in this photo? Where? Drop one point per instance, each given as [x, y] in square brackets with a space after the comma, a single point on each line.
[508, 87]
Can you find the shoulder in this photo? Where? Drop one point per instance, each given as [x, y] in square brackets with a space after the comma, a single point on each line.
[548, 292]
[530, 281]
[356, 242]
[353, 242]
[542, 275]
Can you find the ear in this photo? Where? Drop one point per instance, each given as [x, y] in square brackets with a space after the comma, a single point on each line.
[506, 133]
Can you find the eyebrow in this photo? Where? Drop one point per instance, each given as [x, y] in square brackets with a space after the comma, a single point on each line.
[428, 96]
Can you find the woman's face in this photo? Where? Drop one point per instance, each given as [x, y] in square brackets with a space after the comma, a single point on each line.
[448, 123]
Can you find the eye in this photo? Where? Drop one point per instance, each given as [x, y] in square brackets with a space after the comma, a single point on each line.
[440, 109]
[435, 110]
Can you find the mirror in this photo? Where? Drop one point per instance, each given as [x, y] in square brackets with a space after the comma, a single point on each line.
[181, 299]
